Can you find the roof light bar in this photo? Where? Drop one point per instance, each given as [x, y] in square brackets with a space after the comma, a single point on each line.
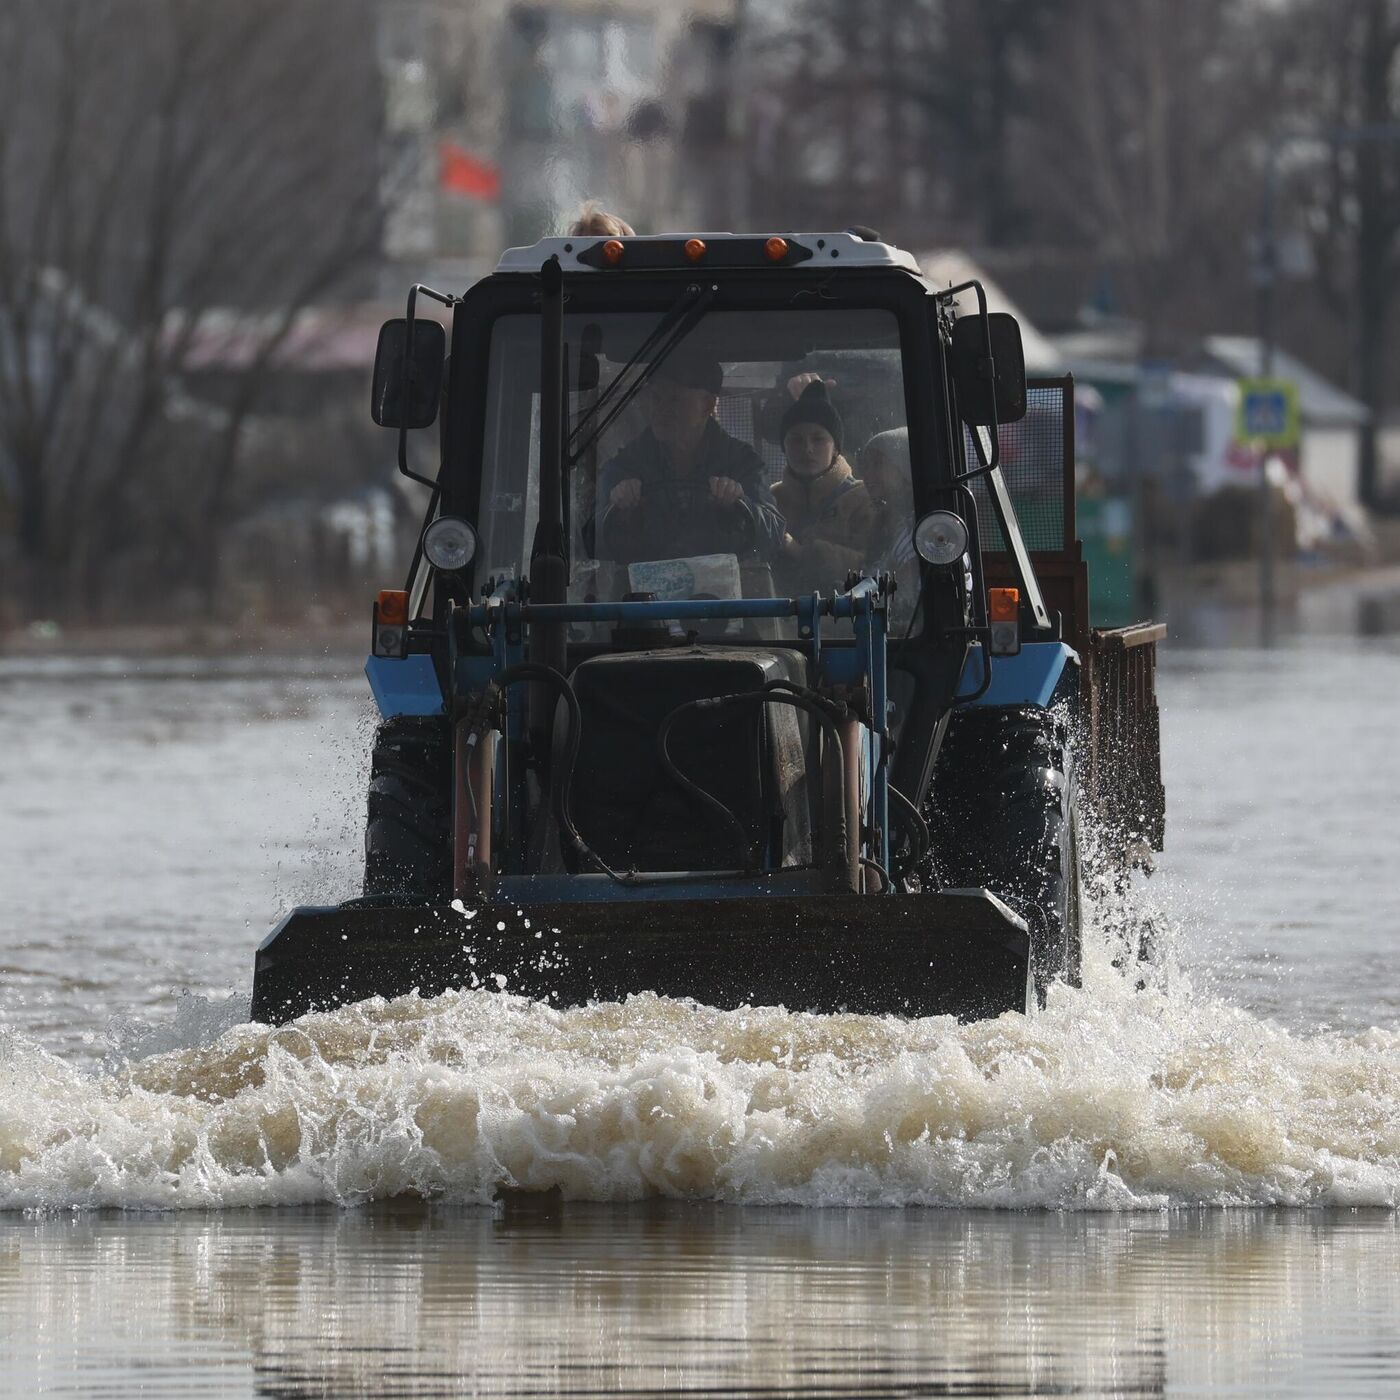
[659, 252]
[715, 251]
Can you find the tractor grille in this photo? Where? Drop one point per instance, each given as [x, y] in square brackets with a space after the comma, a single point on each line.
[751, 759]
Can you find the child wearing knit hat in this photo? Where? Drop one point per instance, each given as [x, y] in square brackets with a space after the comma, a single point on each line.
[828, 512]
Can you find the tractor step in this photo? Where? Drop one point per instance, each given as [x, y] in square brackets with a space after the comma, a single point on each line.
[960, 952]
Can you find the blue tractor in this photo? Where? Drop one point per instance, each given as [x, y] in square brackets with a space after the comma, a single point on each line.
[669, 706]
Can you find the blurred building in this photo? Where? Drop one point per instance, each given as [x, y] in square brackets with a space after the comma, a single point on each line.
[503, 116]
[1169, 428]
[1331, 421]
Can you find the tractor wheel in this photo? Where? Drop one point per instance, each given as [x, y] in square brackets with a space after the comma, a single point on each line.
[408, 834]
[1002, 815]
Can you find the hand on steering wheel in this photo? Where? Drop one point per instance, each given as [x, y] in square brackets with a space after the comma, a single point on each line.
[690, 496]
[626, 495]
[706, 515]
[725, 491]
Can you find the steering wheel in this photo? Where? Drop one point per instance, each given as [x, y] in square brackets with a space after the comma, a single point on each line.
[677, 520]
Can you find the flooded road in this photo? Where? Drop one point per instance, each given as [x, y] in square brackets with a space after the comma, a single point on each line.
[665, 1298]
[1202, 1177]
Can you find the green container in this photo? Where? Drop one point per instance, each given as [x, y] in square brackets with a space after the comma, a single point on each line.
[1106, 529]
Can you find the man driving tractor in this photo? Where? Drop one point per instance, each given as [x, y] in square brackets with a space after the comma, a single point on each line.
[683, 486]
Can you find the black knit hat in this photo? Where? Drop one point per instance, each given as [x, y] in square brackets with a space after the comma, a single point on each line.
[693, 369]
[814, 406]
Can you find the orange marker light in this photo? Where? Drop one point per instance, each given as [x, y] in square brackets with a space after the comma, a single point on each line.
[613, 251]
[776, 248]
[393, 607]
[695, 249]
[1003, 604]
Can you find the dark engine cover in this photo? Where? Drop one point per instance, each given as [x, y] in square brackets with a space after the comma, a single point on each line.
[750, 758]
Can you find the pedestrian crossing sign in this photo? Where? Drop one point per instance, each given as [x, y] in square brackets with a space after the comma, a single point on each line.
[1268, 412]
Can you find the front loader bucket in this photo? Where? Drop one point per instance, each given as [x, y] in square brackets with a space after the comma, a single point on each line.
[960, 953]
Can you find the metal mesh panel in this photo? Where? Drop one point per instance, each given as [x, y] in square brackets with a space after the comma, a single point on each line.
[1033, 463]
[737, 414]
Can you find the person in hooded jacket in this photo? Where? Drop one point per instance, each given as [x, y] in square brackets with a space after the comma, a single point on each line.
[828, 513]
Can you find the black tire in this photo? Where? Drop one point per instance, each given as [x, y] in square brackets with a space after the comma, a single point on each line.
[408, 833]
[1002, 815]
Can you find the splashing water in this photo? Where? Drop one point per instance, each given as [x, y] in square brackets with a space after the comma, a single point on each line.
[1109, 1099]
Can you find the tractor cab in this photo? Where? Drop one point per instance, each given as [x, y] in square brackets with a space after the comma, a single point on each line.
[675, 421]
[674, 364]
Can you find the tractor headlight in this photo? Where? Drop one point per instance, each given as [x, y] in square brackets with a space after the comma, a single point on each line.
[940, 538]
[449, 544]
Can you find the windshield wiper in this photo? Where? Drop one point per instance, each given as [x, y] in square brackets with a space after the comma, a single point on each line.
[673, 327]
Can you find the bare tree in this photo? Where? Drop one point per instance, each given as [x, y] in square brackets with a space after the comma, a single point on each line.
[900, 113]
[1143, 148]
[237, 170]
[839, 127]
[1338, 144]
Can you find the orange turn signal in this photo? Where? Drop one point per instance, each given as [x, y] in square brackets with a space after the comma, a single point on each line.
[613, 251]
[1003, 604]
[776, 248]
[695, 249]
[393, 607]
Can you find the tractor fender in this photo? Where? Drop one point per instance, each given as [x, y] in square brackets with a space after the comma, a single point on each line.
[1028, 678]
[404, 685]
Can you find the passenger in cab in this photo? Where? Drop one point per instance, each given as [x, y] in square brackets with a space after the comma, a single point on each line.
[884, 468]
[827, 512]
[683, 486]
[593, 221]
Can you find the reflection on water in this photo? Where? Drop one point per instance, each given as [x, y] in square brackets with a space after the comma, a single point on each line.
[404, 1298]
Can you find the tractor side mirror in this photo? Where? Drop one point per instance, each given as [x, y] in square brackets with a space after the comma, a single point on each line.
[405, 393]
[986, 398]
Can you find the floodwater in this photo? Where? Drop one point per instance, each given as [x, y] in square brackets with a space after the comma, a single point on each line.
[1188, 1189]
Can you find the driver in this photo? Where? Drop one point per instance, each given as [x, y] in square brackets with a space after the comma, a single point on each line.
[683, 486]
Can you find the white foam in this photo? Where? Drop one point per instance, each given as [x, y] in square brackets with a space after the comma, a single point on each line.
[198, 1020]
[1110, 1099]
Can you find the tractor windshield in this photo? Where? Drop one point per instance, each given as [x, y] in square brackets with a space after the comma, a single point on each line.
[766, 454]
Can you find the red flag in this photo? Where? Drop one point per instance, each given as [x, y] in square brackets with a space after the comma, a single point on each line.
[462, 173]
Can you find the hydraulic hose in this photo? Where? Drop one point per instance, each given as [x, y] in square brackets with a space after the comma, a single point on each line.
[779, 692]
[563, 782]
[870, 863]
[747, 855]
[979, 593]
[986, 683]
[918, 828]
